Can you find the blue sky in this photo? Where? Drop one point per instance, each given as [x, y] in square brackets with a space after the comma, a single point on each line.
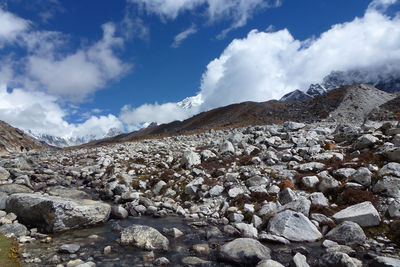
[78, 67]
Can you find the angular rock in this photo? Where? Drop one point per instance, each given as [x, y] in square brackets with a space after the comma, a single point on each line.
[365, 141]
[4, 174]
[64, 192]
[216, 190]
[340, 259]
[234, 192]
[311, 166]
[385, 262]
[14, 189]
[269, 263]
[144, 237]
[15, 229]
[299, 260]
[244, 251]
[69, 248]
[119, 212]
[394, 209]
[310, 181]
[362, 176]
[190, 159]
[364, 214]
[390, 169]
[257, 181]
[55, 214]
[294, 226]
[347, 233]
[293, 126]
[318, 198]
[227, 147]
[389, 186]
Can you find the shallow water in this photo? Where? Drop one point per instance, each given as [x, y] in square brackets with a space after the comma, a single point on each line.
[92, 249]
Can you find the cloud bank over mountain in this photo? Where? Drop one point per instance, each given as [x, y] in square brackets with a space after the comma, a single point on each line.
[266, 65]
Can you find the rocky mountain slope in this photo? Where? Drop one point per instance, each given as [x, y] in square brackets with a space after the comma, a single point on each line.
[73, 141]
[319, 194]
[11, 139]
[388, 82]
[338, 104]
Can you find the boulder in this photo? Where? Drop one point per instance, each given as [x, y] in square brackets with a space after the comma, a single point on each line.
[55, 214]
[385, 262]
[362, 176]
[14, 189]
[310, 181]
[15, 229]
[216, 190]
[144, 237]
[244, 251]
[340, 259]
[347, 233]
[64, 192]
[69, 248]
[364, 214]
[269, 263]
[119, 212]
[365, 141]
[393, 154]
[293, 126]
[227, 147]
[319, 198]
[4, 174]
[299, 260]
[389, 186]
[394, 209]
[190, 158]
[390, 169]
[294, 226]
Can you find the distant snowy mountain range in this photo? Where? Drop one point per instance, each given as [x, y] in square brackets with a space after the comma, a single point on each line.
[72, 141]
[388, 83]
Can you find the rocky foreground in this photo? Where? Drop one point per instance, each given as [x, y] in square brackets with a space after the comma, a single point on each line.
[291, 194]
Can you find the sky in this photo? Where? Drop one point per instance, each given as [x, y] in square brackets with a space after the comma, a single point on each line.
[71, 68]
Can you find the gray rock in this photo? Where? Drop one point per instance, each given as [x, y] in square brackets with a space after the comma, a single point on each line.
[257, 181]
[287, 195]
[192, 187]
[190, 159]
[3, 200]
[293, 226]
[216, 190]
[234, 192]
[15, 229]
[162, 261]
[327, 182]
[319, 198]
[157, 188]
[64, 192]
[244, 251]
[144, 237]
[299, 205]
[393, 154]
[394, 209]
[365, 141]
[69, 248]
[299, 260]
[311, 166]
[227, 147]
[54, 214]
[340, 259]
[385, 262]
[293, 126]
[207, 154]
[347, 233]
[14, 188]
[362, 176]
[119, 212]
[310, 181]
[344, 172]
[269, 263]
[194, 261]
[247, 230]
[4, 174]
[390, 169]
[389, 186]
[364, 214]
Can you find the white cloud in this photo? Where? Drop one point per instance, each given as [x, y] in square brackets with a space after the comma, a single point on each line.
[267, 65]
[381, 5]
[134, 118]
[77, 76]
[179, 38]
[237, 11]
[40, 113]
[10, 27]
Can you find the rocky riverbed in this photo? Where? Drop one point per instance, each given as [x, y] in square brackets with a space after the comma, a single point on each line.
[289, 194]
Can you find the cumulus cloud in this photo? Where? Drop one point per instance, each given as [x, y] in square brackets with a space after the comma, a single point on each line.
[78, 75]
[267, 64]
[41, 114]
[37, 82]
[134, 118]
[11, 27]
[238, 11]
[179, 38]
